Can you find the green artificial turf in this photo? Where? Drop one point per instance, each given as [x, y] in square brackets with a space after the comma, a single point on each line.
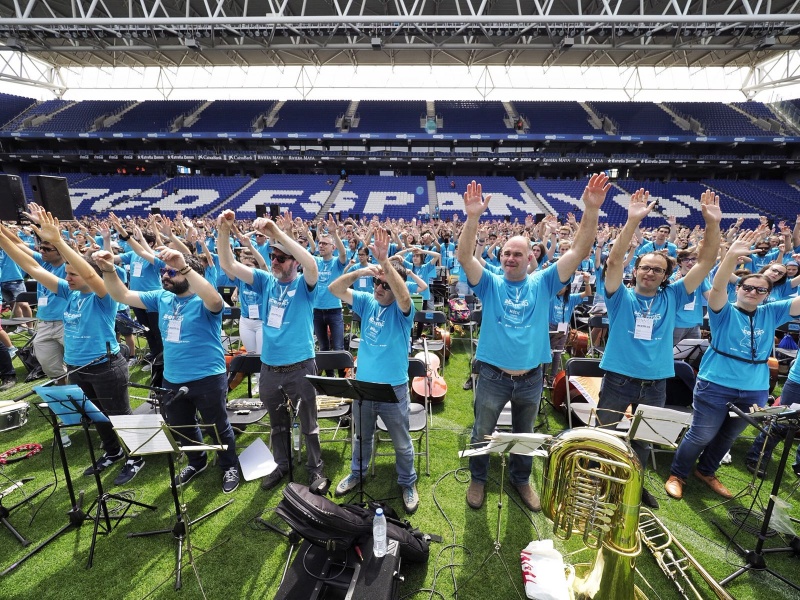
[236, 557]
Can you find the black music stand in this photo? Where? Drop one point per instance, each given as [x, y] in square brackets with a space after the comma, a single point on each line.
[73, 407]
[357, 390]
[5, 511]
[755, 558]
[501, 442]
[149, 435]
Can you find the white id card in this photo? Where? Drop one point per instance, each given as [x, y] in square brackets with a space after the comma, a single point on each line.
[562, 328]
[137, 269]
[174, 331]
[275, 316]
[252, 311]
[42, 301]
[643, 330]
[689, 306]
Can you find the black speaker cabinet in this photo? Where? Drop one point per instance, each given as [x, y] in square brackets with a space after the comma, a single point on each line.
[12, 198]
[274, 211]
[317, 574]
[52, 193]
[261, 211]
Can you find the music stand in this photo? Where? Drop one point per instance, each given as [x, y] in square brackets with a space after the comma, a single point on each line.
[144, 435]
[74, 408]
[657, 425]
[357, 390]
[527, 444]
[690, 351]
[5, 511]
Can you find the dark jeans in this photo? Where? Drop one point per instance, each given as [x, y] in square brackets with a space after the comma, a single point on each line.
[106, 384]
[329, 318]
[6, 366]
[206, 396]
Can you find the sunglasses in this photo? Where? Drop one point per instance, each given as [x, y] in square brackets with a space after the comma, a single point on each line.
[754, 288]
[46, 249]
[378, 283]
[169, 272]
[281, 258]
[655, 270]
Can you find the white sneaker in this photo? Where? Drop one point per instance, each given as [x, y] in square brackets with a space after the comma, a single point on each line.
[147, 367]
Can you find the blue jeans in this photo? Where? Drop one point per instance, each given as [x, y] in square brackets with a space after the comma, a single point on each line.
[617, 392]
[206, 396]
[395, 417]
[325, 318]
[492, 390]
[712, 432]
[790, 395]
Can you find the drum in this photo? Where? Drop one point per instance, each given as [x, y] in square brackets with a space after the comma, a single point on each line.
[13, 415]
[577, 343]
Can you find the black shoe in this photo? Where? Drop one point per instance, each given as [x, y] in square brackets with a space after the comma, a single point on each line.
[273, 479]
[187, 474]
[8, 382]
[129, 470]
[104, 462]
[230, 480]
[753, 466]
[468, 384]
[649, 500]
[318, 483]
[796, 469]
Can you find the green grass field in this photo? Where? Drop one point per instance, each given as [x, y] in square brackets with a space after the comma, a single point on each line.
[234, 557]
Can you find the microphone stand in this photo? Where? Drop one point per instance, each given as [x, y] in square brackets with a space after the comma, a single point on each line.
[290, 410]
[755, 558]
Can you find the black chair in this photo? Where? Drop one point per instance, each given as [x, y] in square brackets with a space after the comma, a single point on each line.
[327, 406]
[431, 319]
[418, 420]
[596, 322]
[245, 411]
[231, 342]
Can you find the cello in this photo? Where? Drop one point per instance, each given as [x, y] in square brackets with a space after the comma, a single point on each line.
[433, 382]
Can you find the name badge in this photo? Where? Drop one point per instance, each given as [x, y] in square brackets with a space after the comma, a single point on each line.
[275, 316]
[643, 330]
[562, 328]
[689, 306]
[137, 269]
[252, 311]
[174, 331]
[42, 301]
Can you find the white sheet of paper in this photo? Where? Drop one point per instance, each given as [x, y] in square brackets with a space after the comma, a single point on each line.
[256, 461]
[142, 434]
[661, 425]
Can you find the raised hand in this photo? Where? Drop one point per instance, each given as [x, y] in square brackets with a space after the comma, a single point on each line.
[595, 193]
[380, 245]
[225, 221]
[49, 229]
[640, 205]
[474, 202]
[33, 212]
[742, 245]
[104, 260]
[709, 204]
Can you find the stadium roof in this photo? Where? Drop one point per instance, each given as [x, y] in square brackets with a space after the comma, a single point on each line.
[474, 33]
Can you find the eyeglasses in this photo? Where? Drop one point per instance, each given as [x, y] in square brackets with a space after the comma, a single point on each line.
[754, 288]
[46, 249]
[378, 283]
[689, 259]
[655, 270]
[281, 258]
[169, 272]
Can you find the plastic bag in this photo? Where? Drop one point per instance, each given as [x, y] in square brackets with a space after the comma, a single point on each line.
[543, 572]
[781, 521]
[788, 343]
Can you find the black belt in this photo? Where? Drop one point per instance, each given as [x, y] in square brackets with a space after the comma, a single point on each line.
[288, 368]
[520, 377]
[645, 382]
[327, 310]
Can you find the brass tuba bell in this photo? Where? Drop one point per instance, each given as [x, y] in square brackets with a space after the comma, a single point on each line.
[593, 487]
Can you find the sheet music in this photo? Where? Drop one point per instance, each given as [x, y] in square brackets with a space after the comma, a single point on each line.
[142, 434]
[661, 425]
[256, 461]
[526, 444]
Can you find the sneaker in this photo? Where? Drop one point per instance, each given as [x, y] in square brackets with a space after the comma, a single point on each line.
[649, 500]
[129, 470]
[147, 367]
[12, 351]
[796, 469]
[8, 382]
[104, 462]
[467, 384]
[187, 474]
[345, 485]
[759, 470]
[270, 481]
[410, 499]
[132, 362]
[230, 480]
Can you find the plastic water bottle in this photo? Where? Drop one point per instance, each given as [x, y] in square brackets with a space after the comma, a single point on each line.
[65, 441]
[379, 534]
[296, 436]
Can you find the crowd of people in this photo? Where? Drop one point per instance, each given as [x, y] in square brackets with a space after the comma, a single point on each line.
[292, 277]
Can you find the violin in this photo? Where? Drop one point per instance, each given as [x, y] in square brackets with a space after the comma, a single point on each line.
[433, 382]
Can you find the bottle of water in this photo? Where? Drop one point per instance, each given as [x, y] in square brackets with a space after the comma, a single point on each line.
[379, 534]
[296, 436]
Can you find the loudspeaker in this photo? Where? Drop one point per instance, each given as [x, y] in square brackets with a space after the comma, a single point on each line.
[261, 211]
[13, 201]
[154, 210]
[52, 194]
[274, 211]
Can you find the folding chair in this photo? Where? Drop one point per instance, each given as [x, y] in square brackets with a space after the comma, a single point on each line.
[433, 319]
[690, 351]
[245, 411]
[596, 323]
[329, 407]
[581, 368]
[417, 420]
[232, 314]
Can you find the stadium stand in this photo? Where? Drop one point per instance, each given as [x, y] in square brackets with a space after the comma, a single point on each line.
[390, 116]
[462, 116]
[231, 115]
[11, 106]
[555, 117]
[40, 109]
[717, 119]
[508, 197]
[303, 195]
[388, 197]
[82, 116]
[112, 193]
[309, 115]
[638, 118]
[154, 115]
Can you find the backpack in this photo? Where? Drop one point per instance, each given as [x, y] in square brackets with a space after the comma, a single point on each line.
[337, 527]
[459, 311]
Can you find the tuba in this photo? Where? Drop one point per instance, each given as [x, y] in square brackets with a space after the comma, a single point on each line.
[592, 486]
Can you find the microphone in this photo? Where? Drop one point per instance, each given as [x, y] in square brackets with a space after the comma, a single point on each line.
[286, 398]
[750, 420]
[182, 391]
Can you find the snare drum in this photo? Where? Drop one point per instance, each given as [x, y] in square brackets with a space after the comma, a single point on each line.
[13, 415]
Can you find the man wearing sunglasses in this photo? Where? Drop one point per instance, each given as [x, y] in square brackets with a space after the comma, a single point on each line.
[287, 352]
[638, 357]
[190, 321]
[386, 318]
[514, 337]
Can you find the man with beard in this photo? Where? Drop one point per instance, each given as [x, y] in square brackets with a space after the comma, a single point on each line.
[287, 352]
[190, 321]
